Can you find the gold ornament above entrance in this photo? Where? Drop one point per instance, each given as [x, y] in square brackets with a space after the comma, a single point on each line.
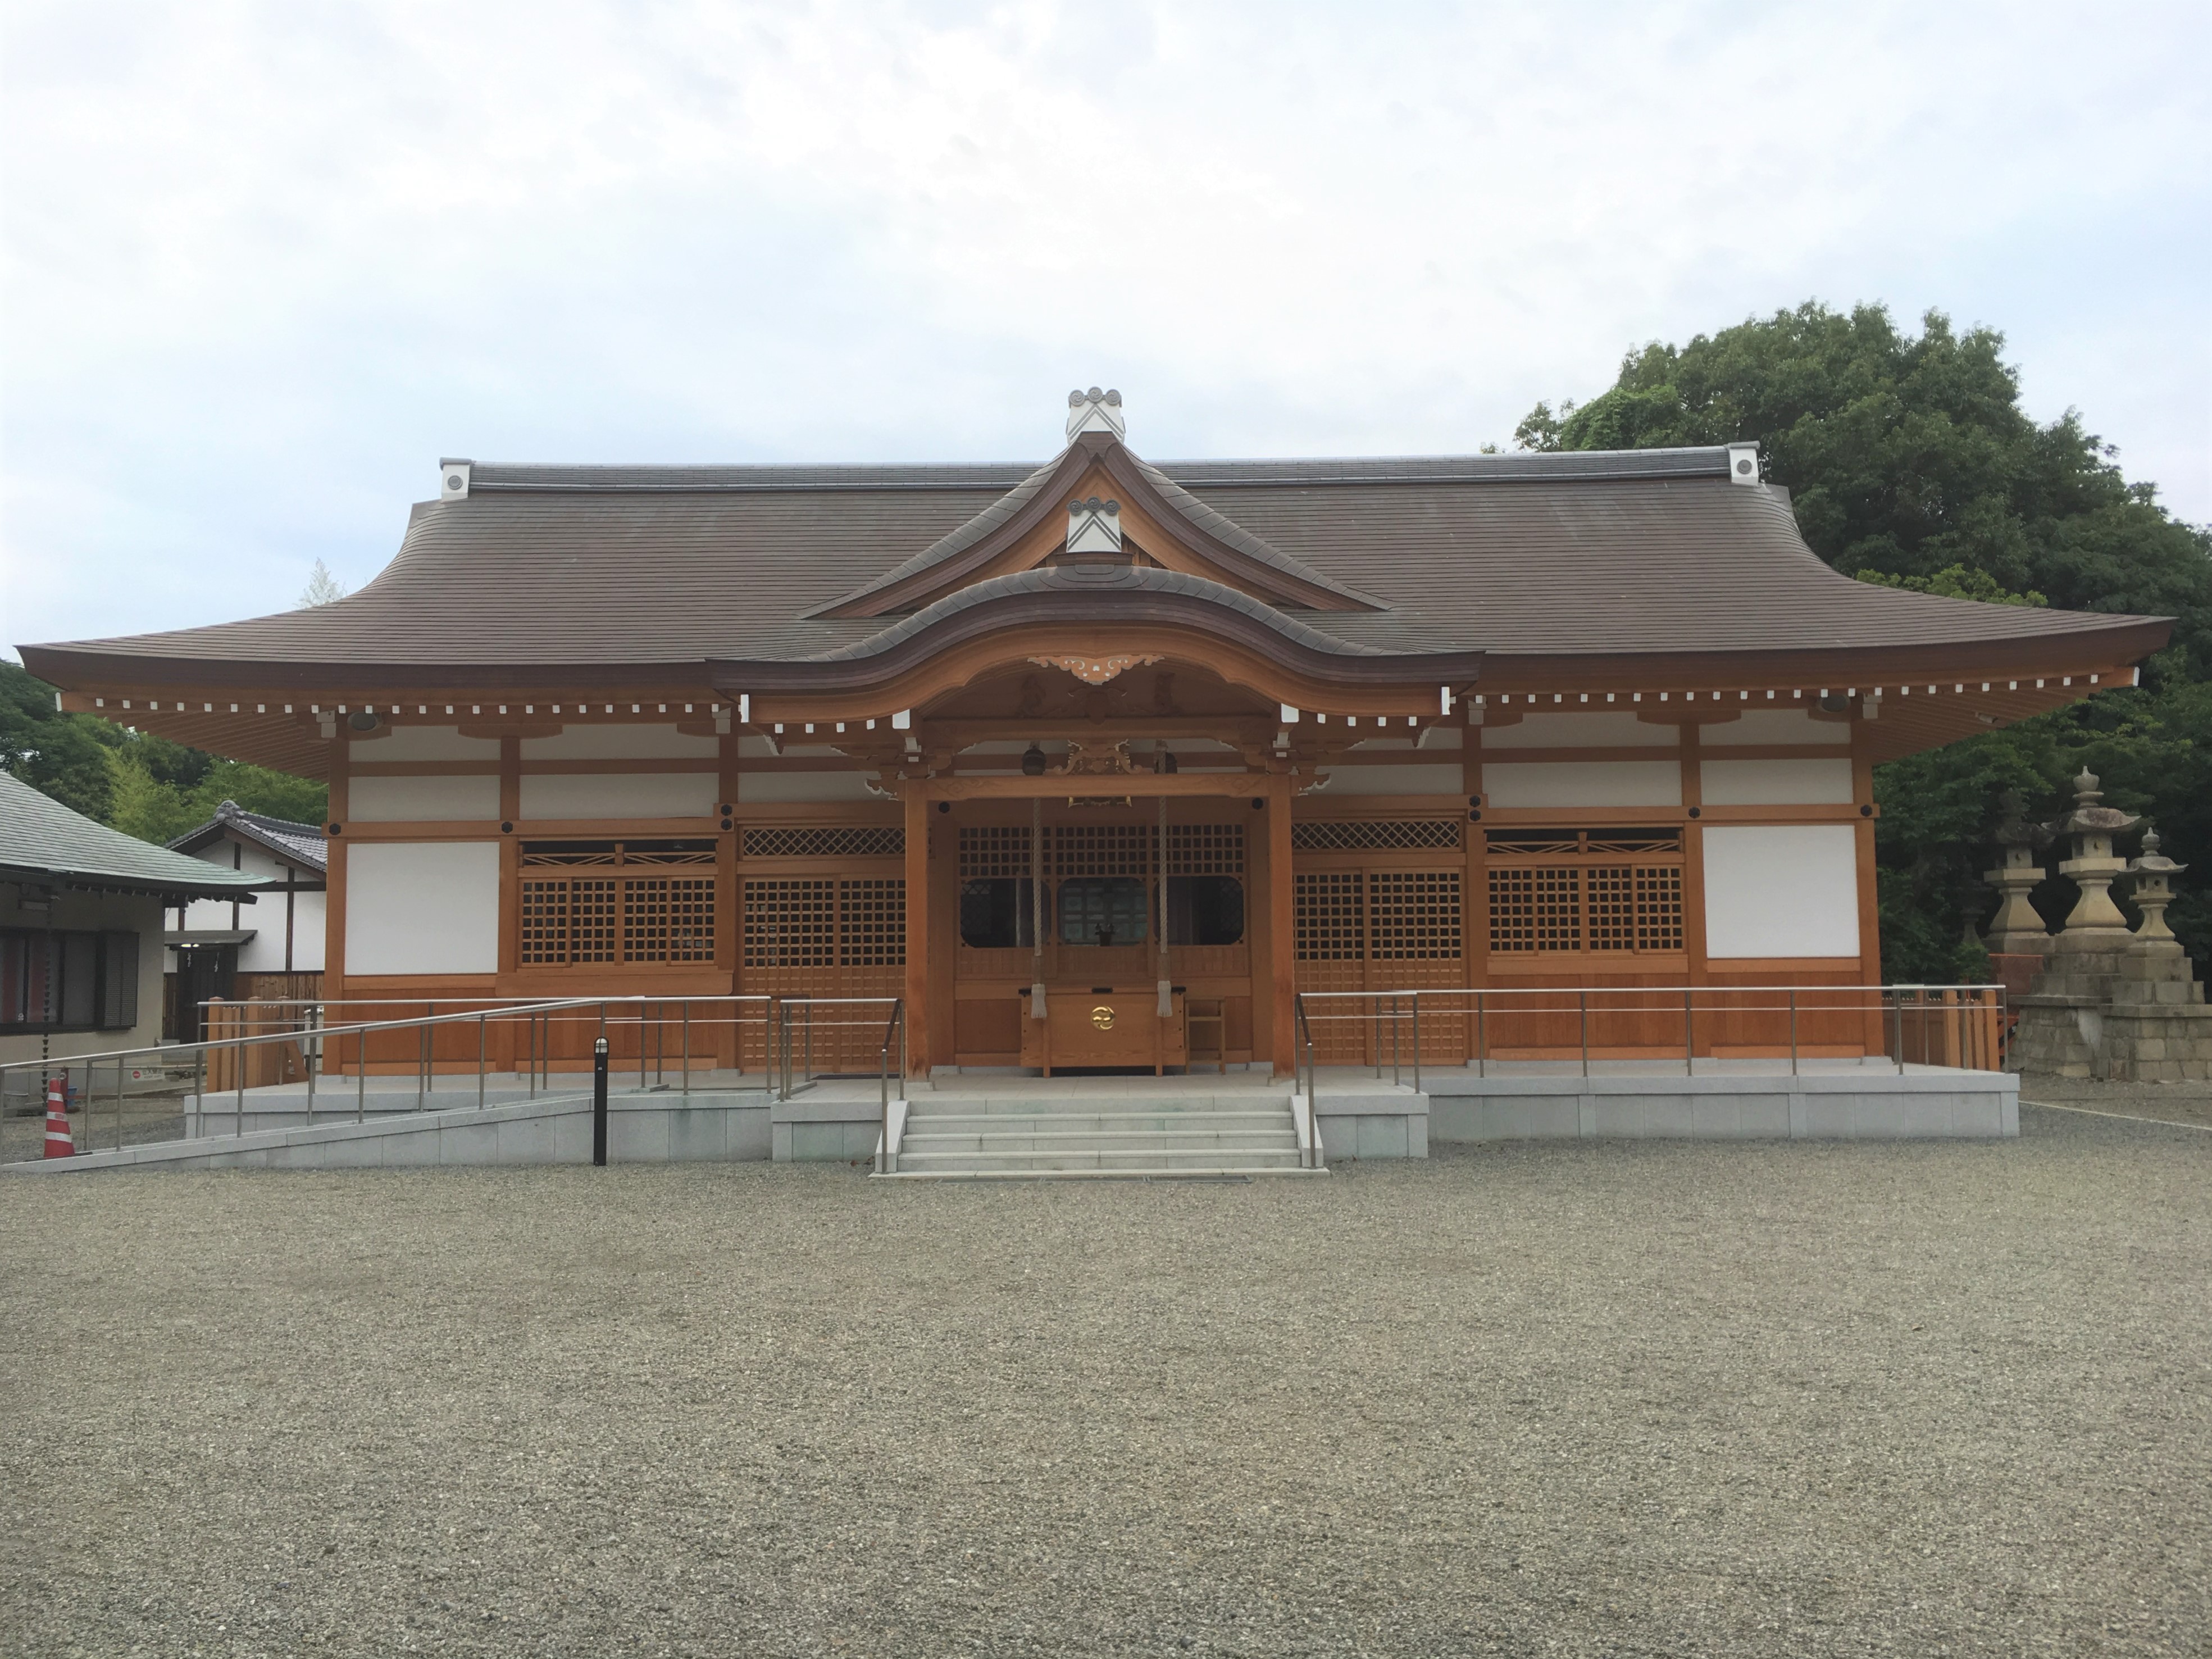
[1094, 671]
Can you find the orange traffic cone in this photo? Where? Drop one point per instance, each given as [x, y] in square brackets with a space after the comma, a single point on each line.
[59, 1144]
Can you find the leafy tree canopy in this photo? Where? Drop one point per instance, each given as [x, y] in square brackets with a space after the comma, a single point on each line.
[143, 785]
[1910, 463]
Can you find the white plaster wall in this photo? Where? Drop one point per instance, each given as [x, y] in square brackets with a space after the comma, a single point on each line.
[762, 788]
[422, 908]
[1582, 783]
[424, 742]
[1395, 780]
[1781, 890]
[621, 742]
[1777, 782]
[619, 795]
[309, 911]
[1773, 725]
[427, 800]
[1610, 729]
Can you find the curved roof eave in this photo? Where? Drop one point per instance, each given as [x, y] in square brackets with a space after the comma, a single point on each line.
[1122, 594]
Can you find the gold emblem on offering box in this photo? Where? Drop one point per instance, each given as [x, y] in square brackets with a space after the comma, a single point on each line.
[1102, 1018]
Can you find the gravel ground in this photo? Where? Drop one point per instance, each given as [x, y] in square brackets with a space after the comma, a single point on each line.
[2169, 1103]
[1555, 1398]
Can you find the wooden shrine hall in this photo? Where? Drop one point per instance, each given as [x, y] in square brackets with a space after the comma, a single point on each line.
[1098, 764]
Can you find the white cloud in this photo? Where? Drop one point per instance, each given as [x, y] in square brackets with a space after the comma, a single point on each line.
[265, 263]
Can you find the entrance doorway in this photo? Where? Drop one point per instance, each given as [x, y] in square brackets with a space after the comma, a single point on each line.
[1087, 900]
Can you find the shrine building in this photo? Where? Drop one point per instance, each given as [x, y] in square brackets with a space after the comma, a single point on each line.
[1174, 741]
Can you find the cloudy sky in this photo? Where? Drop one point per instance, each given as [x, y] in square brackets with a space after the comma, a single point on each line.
[264, 263]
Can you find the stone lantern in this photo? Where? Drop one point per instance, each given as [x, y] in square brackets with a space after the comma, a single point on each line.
[2016, 929]
[2153, 874]
[2095, 922]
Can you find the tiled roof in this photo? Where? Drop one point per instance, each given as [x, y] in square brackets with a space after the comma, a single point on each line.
[1647, 551]
[40, 839]
[303, 843]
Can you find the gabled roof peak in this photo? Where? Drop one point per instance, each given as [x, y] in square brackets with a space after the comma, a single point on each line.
[1096, 411]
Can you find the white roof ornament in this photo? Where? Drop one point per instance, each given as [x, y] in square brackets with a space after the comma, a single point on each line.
[453, 480]
[1743, 463]
[1096, 411]
[1094, 526]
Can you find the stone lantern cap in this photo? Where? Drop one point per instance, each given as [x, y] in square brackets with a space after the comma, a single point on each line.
[2153, 862]
[2089, 818]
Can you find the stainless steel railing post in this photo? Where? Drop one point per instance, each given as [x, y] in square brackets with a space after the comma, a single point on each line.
[1689, 1039]
[1582, 1001]
[1417, 1043]
[1793, 1032]
[239, 1123]
[686, 1055]
[483, 1046]
[1481, 1037]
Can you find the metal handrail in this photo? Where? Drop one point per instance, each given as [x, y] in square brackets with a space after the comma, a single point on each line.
[788, 1046]
[1311, 1152]
[1877, 1000]
[318, 1043]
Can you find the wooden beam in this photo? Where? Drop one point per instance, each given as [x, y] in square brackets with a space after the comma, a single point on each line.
[995, 787]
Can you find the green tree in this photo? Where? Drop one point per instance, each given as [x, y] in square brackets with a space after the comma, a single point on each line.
[143, 785]
[1910, 463]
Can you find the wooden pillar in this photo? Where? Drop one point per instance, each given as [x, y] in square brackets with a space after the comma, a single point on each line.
[1282, 950]
[1876, 1025]
[919, 1048]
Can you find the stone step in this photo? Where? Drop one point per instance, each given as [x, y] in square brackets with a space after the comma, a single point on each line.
[993, 1122]
[1004, 1142]
[1087, 1102]
[1129, 1159]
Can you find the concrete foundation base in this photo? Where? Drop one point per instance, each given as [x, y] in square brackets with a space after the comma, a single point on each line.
[1857, 1105]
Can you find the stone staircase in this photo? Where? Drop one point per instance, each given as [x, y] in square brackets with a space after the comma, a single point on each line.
[1088, 1129]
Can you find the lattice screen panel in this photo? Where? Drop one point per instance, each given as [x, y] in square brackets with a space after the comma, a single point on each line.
[1206, 849]
[872, 923]
[995, 852]
[1659, 907]
[1412, 916]
[668, 919]
[1099, 849]
[1329, 913]
[791, 923]
[1602, 908]
[566, 923]
[837, 841]
[1375, 836]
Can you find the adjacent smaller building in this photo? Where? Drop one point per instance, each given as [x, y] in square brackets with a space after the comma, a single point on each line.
[81, 927]
[217, 948]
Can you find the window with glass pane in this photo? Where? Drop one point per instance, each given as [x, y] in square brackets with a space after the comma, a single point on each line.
[1103, 910]
[997, 914]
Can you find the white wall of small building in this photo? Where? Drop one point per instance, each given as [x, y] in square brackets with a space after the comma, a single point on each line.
[96, 912]
[262, 912]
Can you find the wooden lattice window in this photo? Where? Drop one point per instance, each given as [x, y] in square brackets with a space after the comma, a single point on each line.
[872, 922]
[791, 923]
[569, 922]
[1328, 912]
[1375, 835]
[822, 922]
[1608, 891]
[995, 852]
[1413, 915]
[1100, 849]
[668, 919]
[834, 841]
[1659, 907]
[1206, 849]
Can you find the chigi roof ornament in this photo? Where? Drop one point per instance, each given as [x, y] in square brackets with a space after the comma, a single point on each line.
[1094, 526]
[1096, 411]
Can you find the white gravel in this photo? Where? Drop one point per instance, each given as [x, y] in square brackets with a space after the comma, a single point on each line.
[1672, 1399]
